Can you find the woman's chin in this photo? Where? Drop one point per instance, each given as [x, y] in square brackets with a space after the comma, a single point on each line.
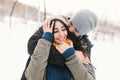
[61, 43]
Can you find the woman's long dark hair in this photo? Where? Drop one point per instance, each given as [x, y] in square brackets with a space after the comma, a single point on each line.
[77, 43]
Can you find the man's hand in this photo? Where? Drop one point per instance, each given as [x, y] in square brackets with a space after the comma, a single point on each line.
[82, 58]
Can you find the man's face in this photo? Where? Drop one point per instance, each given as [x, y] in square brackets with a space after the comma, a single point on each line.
[73, 29]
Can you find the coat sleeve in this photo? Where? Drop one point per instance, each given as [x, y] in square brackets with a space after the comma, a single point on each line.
[32, 42]
[37, 66]
[78, 70]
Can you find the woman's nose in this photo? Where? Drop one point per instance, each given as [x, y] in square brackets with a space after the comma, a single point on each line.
[61, 33]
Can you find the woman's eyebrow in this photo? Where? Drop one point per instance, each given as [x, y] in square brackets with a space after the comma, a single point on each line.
[63, 26]
[56, 29]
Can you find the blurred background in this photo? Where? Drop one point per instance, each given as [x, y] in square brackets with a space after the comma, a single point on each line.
[19, 19]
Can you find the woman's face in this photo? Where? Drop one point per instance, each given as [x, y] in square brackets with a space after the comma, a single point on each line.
[60, 33]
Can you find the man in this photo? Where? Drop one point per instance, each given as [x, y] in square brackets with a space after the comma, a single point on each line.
[81, 23]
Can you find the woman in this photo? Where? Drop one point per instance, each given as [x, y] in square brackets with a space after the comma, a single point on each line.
[56, 33]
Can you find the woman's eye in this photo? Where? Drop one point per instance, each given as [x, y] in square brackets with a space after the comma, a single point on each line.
[55, 31]
[63, 29]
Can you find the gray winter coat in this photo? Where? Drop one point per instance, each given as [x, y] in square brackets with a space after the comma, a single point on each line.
[36, 69]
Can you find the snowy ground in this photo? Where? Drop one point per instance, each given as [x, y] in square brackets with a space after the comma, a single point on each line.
[13, 53]
[106, 59]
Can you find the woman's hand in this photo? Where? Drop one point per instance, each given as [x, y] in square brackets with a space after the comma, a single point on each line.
[46, 25]
[64, 46]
